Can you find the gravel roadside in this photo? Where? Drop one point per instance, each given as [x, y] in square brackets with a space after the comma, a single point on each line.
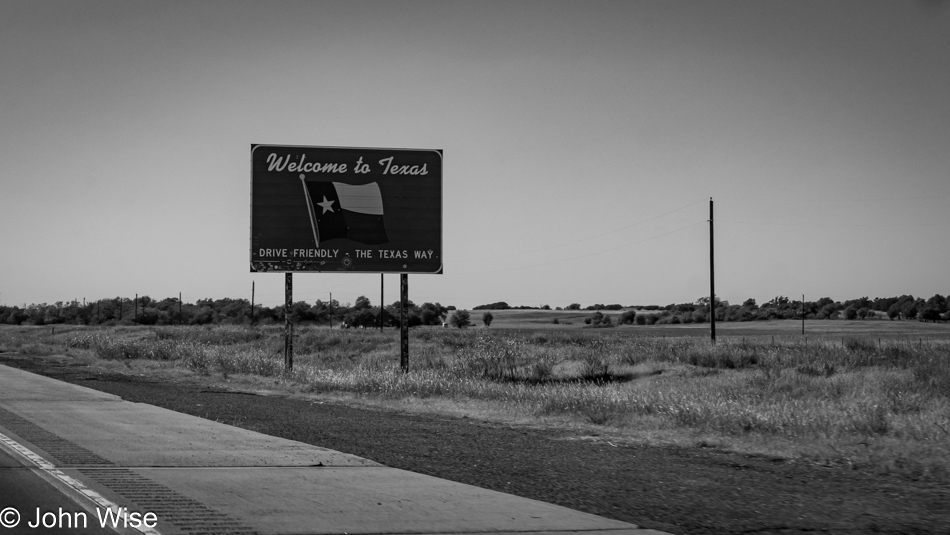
[679, 490]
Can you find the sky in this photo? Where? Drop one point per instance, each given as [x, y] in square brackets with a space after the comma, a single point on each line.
[582, 143]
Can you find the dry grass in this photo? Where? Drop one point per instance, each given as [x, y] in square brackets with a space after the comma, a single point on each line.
[868, 403]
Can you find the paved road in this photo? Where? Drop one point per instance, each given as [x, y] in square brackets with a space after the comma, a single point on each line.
[26, 491]
[197, 476]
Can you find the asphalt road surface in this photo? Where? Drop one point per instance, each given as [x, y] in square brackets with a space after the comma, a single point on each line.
[24, 490]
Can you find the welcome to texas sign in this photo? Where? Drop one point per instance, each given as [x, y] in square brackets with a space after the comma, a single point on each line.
[346, 209]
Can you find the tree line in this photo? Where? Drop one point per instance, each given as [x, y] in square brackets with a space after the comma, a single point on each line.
[905, 307]
[144, 310]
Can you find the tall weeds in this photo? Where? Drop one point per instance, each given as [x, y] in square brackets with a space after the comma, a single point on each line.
[884, 405]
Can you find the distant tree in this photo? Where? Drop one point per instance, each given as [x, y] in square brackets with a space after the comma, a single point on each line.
[361, 317]
[749, 303]
[500, 305]
[893, 311]
[863, 312]
[460, 319]
[928, 313]
[574, 306]
[938, 303]
[850, 313]
[909, 309]
[432, 313]
[827, 311]
[628, 317]
[487, 318]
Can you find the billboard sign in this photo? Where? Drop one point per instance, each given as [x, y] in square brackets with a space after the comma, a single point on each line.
[337, 209]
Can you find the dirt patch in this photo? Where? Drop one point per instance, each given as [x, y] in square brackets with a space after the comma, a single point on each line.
[680, 490]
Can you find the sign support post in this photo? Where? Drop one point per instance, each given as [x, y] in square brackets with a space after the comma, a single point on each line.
[404, 321]
[288, 325]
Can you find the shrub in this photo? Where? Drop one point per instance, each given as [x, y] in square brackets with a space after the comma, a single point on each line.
[487, 319]
[460, 319]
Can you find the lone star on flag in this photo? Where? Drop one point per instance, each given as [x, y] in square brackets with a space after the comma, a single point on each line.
[326, 205]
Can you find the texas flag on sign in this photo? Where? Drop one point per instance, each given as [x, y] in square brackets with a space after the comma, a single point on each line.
[339, 210]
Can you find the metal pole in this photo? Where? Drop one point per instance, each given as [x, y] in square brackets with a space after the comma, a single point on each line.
[381, 293]
[288, 326]
[252, 302]
[712, 278]
[803, 314]
[136, 316]
[330, 306]
[179, 308]
[404, 321]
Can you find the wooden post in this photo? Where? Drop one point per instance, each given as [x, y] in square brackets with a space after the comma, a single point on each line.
[288, 326]
[712, 278]
[404, 321]
[803, 314]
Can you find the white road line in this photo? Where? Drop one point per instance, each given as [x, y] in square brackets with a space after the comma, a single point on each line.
[76, 485]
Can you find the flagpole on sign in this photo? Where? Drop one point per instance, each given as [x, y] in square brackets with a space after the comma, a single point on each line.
[313, 219]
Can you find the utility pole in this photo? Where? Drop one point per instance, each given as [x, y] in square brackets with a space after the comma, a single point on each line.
[712, 277]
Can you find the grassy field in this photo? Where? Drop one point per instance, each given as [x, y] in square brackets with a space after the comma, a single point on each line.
[871, 394]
